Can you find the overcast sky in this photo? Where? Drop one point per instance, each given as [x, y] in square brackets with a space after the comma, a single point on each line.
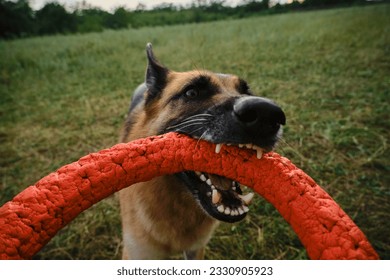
[112, 4]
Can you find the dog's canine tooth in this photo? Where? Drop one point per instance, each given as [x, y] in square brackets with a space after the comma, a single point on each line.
[216, 196]
[221, 208]
[259, 153]
[203, 178]
[218, 148]
[247, 198]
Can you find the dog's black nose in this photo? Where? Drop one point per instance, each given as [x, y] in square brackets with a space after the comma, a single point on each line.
[259, 116]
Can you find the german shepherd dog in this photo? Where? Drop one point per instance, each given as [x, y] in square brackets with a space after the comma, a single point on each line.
[178, 213]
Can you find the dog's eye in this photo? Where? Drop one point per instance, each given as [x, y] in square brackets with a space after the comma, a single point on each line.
[192, 93]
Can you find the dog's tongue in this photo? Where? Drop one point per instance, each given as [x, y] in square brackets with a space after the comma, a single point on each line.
[221, 183]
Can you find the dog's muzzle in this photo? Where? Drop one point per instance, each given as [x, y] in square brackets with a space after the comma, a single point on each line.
[248, 122]
[259, 116]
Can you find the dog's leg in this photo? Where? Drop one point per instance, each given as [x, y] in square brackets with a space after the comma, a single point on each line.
[194, 254]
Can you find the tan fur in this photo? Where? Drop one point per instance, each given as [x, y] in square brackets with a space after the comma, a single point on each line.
[161, 217]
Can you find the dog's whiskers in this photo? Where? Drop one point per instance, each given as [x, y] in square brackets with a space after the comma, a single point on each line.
[200, 138]
[202, 115]
[195, 130]
[188, 125]
[195, 120]
[199, 116]
[198, 121]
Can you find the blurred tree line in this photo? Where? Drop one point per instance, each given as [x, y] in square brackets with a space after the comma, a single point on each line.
[18, 19]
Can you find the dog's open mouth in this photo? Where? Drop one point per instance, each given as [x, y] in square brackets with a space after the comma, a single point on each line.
[220, 197]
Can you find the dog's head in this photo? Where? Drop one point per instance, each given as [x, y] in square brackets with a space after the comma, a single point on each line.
[218, 108]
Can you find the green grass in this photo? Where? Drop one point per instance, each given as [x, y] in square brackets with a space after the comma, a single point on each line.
[65, 96]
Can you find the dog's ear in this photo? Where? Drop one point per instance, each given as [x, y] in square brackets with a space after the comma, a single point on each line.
[156, 74]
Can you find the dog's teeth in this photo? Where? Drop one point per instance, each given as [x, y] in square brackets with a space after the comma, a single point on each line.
[198, 173]
[234, 212]
[245, 208]
[240, 210]
[208, 194]
[259, 153]
[247, 198]
[227, 211]
[216, 196]
[218, 148]
[208, 181]
[221, 208]
[203, 178]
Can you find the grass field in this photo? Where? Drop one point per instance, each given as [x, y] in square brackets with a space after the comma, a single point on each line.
[65, 96]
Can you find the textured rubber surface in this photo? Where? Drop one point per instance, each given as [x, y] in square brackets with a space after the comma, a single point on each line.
[35, 215]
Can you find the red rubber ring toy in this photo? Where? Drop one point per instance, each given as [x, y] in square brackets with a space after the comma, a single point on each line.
[36, 214]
